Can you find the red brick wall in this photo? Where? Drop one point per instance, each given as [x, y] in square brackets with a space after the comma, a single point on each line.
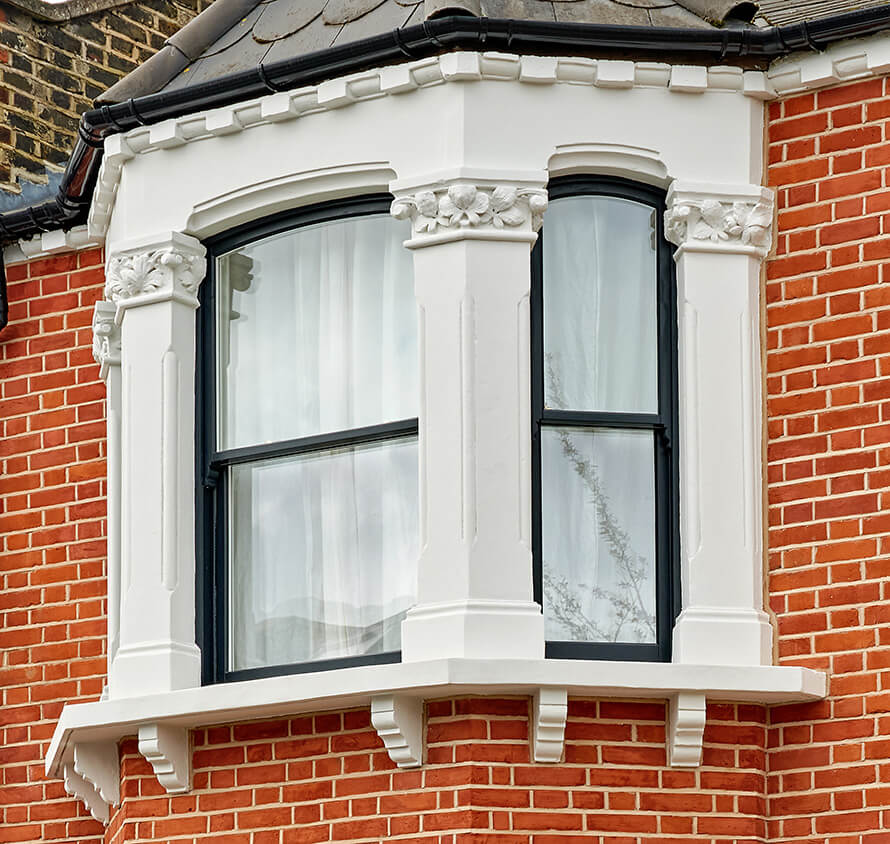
[793, 774]
[52, 577]
[828, 393]
[327, 778]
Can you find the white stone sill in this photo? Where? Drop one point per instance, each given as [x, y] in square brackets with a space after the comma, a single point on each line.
[111, 720]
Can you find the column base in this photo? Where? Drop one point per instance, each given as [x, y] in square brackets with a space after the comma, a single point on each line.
[154, 668]
[474, 629]
[723, 636]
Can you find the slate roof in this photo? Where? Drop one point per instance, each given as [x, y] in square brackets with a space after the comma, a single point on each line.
[279, 29]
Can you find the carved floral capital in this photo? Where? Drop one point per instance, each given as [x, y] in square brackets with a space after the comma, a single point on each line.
[719, 223]
[106, 336]
[170, 269]
[466, 207]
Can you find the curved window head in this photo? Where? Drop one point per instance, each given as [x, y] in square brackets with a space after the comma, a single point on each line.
[315, 391]
[604, 405]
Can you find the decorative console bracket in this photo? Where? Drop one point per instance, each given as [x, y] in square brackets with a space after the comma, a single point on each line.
[94, 777]
[398, 720]
[166, 748]
[551, 708]
[687, 729]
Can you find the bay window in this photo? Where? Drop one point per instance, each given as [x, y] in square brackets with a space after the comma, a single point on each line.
[309, 454]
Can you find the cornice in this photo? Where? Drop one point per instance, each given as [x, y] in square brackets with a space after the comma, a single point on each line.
[460, 67]
[845, 61]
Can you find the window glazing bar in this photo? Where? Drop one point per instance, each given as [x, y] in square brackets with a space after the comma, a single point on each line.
[317, 442]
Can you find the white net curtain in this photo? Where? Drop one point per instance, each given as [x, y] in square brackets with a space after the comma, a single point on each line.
[320, 338]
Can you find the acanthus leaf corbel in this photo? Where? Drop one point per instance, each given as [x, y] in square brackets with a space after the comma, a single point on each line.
[686, 721]
[169, 266]
[94, 777]
[551, 707]
[398, 720]
[721, 218]
[166, 749]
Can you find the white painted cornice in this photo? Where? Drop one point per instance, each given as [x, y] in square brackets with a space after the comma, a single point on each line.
[460, 67]
[51, 243]
[846, 61]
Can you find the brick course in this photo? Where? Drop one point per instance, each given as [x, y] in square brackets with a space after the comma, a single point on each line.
[828, 400]
[52, 529]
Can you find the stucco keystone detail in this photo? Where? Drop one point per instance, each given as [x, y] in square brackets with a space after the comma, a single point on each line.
[687, 719]
[94, 777]
[551, 707]
[736, 221]
[398, 720]
[463, 210]
[166, 748]
[106, 337]
[168, 267]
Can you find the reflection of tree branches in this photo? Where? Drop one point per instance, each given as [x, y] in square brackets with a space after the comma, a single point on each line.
[627, 603]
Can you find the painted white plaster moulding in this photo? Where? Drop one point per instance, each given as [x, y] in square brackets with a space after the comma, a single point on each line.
[722, 233]
[550, 711]
[471, 243]
[398, 720]
[395, 691]
[154, 283]
[458, 67]
[845, 61]
[107, 353]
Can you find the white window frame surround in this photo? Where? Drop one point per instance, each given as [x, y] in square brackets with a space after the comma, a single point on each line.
[416, 130]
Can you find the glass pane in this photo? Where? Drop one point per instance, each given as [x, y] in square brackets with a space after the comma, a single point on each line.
[600, 320]
[598, 535]
[317, 332]
[323, 554]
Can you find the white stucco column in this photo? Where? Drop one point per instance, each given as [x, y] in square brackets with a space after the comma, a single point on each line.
[154, 284]
[472, 240]
[722, 233]
[107, 353]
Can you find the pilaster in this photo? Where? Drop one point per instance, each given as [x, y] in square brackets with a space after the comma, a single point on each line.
[154, 285]
[722, 232]
[107, 353]
[472, 236]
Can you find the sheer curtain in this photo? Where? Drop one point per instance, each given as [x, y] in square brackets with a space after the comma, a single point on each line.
[323, 545]
[600, 355]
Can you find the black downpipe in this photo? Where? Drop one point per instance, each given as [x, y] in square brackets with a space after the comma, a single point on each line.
[432, 37]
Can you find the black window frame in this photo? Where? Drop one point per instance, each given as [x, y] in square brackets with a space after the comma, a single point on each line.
[212, 466]
[664, 425]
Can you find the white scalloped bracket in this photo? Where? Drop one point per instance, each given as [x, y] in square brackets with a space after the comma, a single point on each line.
[551, 709]
[94, 777]
[166, 748]
[687, 719]
[398, 720]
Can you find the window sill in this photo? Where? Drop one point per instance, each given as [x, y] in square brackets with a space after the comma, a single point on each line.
[550, 682]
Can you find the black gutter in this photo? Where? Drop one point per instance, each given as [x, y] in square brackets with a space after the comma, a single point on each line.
[750, 45]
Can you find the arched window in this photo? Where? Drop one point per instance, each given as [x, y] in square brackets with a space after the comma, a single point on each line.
[604, 389]
[308, 442]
